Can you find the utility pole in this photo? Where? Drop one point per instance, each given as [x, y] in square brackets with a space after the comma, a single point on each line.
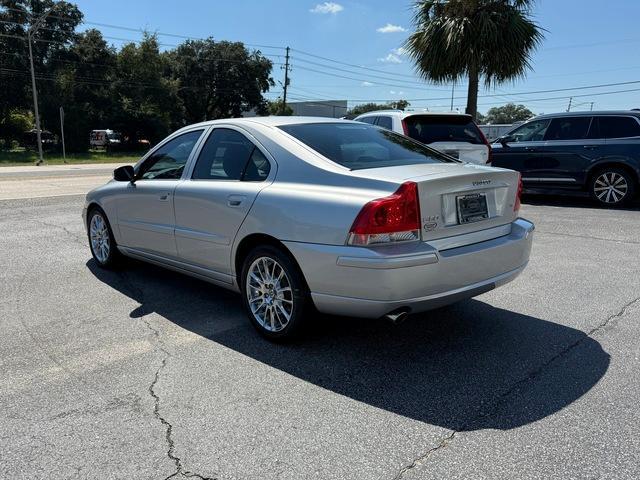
[569, 107]
[453, 89]
[33, 29]
[64, 150]
[286, 79]
[591, 109]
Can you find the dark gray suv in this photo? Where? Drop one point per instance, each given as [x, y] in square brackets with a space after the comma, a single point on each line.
[594, 152]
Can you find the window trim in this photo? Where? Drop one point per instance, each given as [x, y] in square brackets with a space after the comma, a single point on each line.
[173, 136]
[273, 165]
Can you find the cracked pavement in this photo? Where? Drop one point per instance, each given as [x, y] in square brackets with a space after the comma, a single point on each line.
[143, 373]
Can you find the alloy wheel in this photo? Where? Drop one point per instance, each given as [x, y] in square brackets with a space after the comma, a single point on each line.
[610, 187]
[99, 236]
[269, 294]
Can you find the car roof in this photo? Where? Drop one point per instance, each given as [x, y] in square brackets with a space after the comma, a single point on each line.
[588, 113]
[271, 121]
[410, 113]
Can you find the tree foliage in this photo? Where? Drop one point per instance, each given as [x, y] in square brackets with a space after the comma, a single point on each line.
[278, 107]
[489, 40]
[372, 107]
[139, 89]
[509, 113]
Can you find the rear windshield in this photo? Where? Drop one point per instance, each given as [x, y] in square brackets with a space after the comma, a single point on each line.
[443, 128]
[358, 146]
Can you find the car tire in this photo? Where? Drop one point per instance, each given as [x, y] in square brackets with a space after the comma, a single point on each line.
[101, 241]
[612, 187]
[274, 293]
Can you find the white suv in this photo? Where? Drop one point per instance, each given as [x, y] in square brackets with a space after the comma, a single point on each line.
[455, 134]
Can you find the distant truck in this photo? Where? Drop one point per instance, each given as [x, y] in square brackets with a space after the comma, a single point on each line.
[107, 139]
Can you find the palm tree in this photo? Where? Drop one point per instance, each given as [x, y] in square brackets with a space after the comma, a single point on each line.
[492, 39]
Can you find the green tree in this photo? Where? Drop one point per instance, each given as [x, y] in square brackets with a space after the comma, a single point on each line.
[509, 113]
[219, 79]
[372, 107]
[278, 107]
[56, 34]
[491, 40]
[147, 105]
[83, 87]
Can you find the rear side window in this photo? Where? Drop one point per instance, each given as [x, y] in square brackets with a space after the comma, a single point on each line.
[362, 146]
[229, 155]
[443, 128]
[385, 122]
[568, 128]
[370, 120]
[618, 127]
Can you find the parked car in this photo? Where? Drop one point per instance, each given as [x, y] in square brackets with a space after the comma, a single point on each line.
[455, 134]
[48, 139]
[104, 139]
[298, 211]
[578, 152]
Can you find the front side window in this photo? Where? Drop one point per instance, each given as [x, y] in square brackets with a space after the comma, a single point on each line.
[568, 128]
[532, 131]
[618, 127]
[229, 155]
[168, 161]
[363, 146]
[385, 122]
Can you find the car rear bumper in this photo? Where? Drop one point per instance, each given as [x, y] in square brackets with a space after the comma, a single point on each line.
[368, 282]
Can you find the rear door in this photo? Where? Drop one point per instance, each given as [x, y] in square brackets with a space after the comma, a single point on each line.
[455, 135]
[211, 205]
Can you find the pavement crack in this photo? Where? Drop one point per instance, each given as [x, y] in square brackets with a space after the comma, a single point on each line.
[589, 237]
[532, 375]
[76, 238]
[422, 458]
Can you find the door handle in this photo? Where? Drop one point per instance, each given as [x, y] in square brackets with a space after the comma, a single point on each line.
[590, 147]
[235, 200]
[164, 196]
[531, 149]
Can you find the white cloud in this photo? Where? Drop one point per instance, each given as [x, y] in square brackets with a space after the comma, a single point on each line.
[367, 84]
[327, 7]
[399, 51]
[390, 58]
[393, 92]
[389, 28]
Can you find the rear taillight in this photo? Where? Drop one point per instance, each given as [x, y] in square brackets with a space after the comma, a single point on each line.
[516, 205]
[405, 129]
[395, 218]
[486, 142]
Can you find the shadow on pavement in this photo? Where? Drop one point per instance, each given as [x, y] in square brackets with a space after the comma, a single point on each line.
[465, 367]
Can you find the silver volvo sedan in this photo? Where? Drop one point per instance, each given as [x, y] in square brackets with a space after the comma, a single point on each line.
[297, 213]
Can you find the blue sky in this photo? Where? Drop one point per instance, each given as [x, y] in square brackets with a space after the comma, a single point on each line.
[587, 43]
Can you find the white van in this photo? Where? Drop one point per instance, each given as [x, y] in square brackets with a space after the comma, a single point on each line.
[455, 134]
[104, 138]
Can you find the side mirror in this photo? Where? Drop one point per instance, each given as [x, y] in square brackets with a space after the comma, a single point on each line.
[504, 140]
[124, 174]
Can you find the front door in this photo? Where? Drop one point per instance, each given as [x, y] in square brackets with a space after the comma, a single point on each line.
[146, 217]
[211, 205]
[522, 149]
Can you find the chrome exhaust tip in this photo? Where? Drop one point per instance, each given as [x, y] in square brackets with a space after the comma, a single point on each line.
[398, 316]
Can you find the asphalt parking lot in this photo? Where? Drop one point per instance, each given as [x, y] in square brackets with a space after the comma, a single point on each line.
[143, 373]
